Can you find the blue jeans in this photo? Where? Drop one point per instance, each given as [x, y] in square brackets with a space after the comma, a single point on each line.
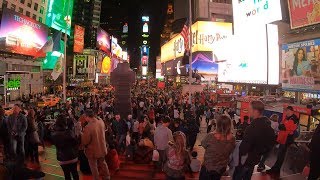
[17, 147]
[121, 141]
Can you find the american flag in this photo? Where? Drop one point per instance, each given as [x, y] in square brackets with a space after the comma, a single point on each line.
[185, 34]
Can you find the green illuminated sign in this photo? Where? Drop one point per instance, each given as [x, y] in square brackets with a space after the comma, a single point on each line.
[14, 84]
[52, 57]
[59, 15]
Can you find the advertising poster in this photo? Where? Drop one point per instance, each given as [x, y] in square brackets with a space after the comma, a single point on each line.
[203, 66]
[300, 66]
[21, 34]
[106, 65]
[304, 13]
[103, 40]
[59, 15]
[91, 68]
[81, 65]
[78, 39]
[52, 58]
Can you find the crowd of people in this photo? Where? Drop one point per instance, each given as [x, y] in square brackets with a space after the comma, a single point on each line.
[162, 129]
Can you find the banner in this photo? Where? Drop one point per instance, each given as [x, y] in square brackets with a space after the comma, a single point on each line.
[78, 39]
[21, 34]
[301, 66]
[304, 13]
[59, 14]
[81, 64]
[103, 40]
[58, 68]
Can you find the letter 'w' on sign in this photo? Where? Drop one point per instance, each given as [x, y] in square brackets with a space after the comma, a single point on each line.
[185, 34]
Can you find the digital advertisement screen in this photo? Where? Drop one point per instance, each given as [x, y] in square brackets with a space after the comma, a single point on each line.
[203, 64]
[59, 15]
[244, 65]
[103, 40]
[78, 39]
[300, 66]
[51, 59]
[21, 34]
[255, 12]
[106, 65]
[303, 13]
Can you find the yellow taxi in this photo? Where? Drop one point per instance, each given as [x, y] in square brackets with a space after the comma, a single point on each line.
[49, 101]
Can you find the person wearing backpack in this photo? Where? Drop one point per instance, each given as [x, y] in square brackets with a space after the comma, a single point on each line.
[258, 140]
[286, 135]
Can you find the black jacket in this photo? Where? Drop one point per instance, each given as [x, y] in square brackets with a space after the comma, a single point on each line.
[66, 144]
[315, 146]
[258, 139]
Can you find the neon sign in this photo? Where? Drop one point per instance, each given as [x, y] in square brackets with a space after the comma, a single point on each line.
[13, 84]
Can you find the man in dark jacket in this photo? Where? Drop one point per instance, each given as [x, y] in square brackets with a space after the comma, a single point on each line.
[258, 140]
[120, 129]
[17, 126]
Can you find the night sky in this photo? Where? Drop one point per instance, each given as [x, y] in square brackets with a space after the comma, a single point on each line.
[117, 12]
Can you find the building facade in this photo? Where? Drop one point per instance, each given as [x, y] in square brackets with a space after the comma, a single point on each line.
[19, 68]
[36, 9]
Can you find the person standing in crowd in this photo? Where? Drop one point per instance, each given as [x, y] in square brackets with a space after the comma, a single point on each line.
[17, 126]
[258, 140]
[218, 146]
[285, 138]
[192, 133]
[94, 142]
[177, 159]
[4, 136]
[162, 137]
[67, 147]
[274, 119]
[314, 155]
[120, 129]
[32, 137]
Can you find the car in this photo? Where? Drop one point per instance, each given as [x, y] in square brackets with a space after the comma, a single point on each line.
[49, 101]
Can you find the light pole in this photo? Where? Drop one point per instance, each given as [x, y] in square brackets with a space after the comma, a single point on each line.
[190, 49]
[64, 86]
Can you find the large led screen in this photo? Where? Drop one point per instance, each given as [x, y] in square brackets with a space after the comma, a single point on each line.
[21, 34]
[103, 40]
[59, 15]
[52, 57]
[304, 13]
[248, 12]
[300, 65]
[78, 39]
[244, 65]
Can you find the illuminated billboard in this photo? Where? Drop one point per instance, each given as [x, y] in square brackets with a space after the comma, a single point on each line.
[78, 39]
[205, 35]
[255, 12]
[303, 13]
[106, 65]
[300, 69]
[103, 40]
[21, 34]
[59, 15]
[145, 18]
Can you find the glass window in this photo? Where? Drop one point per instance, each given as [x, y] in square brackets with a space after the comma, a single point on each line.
[28, 13]
[40, 19]
[35, 7]
[5, 4]
[29, 4]
[41, 10]
[22, 1]
[13, 7]
[34, 17]
[21, 10]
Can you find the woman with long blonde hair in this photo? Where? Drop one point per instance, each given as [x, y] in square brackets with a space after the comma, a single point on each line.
[218, 145]
[177, 158]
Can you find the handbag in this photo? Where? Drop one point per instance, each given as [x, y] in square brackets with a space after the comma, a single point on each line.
[155, 155]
